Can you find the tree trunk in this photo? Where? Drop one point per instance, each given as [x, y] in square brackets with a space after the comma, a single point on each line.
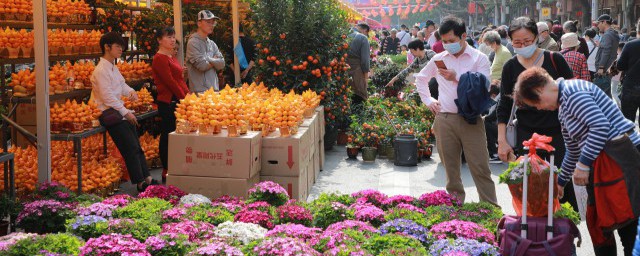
[628, 15]
[586, 14]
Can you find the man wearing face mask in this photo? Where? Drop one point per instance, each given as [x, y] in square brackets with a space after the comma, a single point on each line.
[545, 41]
[454, 133]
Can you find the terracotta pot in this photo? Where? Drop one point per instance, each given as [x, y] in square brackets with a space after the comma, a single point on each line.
[369, 154]
[4, 228]
[343, 138]
[352, 153]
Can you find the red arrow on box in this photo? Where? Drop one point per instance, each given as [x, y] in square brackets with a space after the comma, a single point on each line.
[290, 162]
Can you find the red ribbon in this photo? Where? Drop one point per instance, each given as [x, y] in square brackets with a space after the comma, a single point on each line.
[538, 141]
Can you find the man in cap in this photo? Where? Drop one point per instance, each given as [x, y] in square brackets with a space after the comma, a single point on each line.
[607, 53]
[545, 41]
[204, 59]
[430, 28]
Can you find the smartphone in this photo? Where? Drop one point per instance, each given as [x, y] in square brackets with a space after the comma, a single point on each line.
[440, 64]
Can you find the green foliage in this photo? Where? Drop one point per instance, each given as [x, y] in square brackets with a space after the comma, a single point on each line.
[351, 239]
[144, 209]
[7, 206]
[382, 75]
[292, 33]
[387, 243]
[64, 244]
[483, 213]
[439, 214]
[275, 199]
[116, 18]
[400, 59]
[333, 197]
[397, 213]
[90, 230]
[325, 214]
[210, 214]
[176, 244]
[88, 199]
[159, 17]
[567, 212]
[140, 229]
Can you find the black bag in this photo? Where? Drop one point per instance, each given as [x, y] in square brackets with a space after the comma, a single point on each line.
[110, 117]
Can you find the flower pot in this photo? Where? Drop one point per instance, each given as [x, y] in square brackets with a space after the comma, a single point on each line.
[14, 53]
[428, 151]
[233, 131]
[330, 137]
[343, 138]
[391, 152]
[369, 154]
[383, 151]
[420, 153]
[27, 52]
[352, 152]
[4, 228]
[285, 132]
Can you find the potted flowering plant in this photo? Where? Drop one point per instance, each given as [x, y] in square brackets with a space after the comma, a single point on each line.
[44, 216]
[406, 227]
[50, 244]
[113, 245]
[463, 246]
[370, 141]
[462, 229]
[281, 246]
[378, 245]
[306, 234]
[140, 229]
[87, 226]
[367, 212]
[194, 199]
[196, 231]
[168, 193]
[243, 232]
[328, 213]
[54, 191]
[259, 217]
[293, 212]
[217, 248]
[270, 192]
[168, 244]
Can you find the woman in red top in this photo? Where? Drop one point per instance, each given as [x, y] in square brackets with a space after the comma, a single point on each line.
[169, 80]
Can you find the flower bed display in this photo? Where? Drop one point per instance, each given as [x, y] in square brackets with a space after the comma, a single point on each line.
[331, 225]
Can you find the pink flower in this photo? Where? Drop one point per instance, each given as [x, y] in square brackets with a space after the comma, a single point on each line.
[462, 229]
[118, 200]
[112, 245]
[268, 186]
[256, 217]
[294, 214]
[196, 230]
[374, 197]
[368, 213]
[306, 234]
[400, 199]
[284, 246]
[409, 207]
[439, 197]
[169, 193]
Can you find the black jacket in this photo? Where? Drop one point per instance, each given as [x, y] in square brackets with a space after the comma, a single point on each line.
[629, 63]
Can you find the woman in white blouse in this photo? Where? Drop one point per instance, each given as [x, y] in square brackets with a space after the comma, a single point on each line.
[108, 88]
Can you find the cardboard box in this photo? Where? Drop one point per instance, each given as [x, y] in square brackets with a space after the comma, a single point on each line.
[316, 164]
[321, 123]
[312, 125]
[216, 156]
[213, 187]
[20, 140]
[322, 155]
[295, 186]
[311, 177]
[287, 157]
[26, 114]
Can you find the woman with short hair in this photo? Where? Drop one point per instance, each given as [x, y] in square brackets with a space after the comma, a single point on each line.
[603, 153]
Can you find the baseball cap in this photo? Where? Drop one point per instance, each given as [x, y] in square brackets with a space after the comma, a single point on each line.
[570, 40]
[429, 23]
[605, 17]
[206, 15]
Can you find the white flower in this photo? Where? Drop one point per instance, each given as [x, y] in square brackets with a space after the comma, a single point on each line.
[243, 232]
[194, 199]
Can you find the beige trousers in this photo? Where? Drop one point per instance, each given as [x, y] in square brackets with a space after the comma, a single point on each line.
[454, 134]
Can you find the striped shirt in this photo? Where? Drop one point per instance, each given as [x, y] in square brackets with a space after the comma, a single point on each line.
[589, 118]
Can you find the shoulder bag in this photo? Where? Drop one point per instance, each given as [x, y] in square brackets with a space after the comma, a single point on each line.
[512, 127]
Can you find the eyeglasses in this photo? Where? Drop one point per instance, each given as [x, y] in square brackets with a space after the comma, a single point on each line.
[518, 44]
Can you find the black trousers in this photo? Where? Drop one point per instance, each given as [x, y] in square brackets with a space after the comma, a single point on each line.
[167, 125]
[491, 130]
[125, 137]
[629, 105]
[558, 144]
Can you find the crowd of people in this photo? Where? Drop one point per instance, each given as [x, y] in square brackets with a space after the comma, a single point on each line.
[582, 88]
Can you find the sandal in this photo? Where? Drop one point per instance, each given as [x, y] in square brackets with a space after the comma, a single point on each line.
[141, 188]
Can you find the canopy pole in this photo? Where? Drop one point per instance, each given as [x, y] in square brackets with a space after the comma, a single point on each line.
[177, 25]
[236, 39]
[42, 89]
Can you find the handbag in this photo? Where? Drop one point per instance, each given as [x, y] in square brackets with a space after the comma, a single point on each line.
[512, 127]
[110, 117]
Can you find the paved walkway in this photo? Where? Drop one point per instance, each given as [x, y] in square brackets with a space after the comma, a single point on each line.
[348, 176]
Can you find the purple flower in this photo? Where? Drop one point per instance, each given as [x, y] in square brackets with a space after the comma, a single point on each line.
[256, 217]
[306, 234]
[374, 197]
[351, 224]
[215, 248]
[462, 245]
[406, 227]
[168, 193]
[99, 209]
[114, 244]
[40, 207]
[462, 229]
[196, 230]
[118, 200]
[284, 246]
[439, 197]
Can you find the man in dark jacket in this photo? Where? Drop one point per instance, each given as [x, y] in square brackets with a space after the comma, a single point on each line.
[607, 53]
[629, 64]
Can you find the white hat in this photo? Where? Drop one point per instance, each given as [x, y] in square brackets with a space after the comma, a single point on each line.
[206, 15]
[542, 26]
[569, 40]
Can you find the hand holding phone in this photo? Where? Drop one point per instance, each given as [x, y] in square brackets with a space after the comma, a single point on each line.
[440, 64]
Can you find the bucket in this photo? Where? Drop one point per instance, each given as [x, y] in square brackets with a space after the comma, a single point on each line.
[406, 150]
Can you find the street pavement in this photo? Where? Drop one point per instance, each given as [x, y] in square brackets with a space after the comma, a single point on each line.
[347, 176]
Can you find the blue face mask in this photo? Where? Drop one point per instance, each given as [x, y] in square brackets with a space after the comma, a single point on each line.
[453, 48]
[526, 51]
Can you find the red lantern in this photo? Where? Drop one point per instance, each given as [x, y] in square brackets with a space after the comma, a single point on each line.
[391, 12]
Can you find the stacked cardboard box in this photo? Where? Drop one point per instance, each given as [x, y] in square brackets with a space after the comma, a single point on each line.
[288, 161]
[321, 126]
[215, 165]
